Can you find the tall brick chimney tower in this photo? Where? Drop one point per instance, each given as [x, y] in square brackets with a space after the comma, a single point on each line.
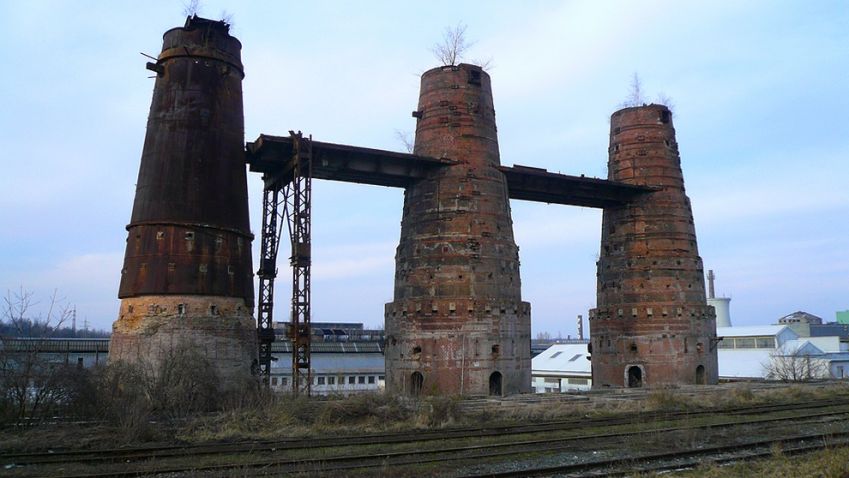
[458, 324]
[652, 324]
[187, 275]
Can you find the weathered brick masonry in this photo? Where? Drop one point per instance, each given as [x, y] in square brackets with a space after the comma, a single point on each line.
[457, 324]
[187, 274]
[652, 324]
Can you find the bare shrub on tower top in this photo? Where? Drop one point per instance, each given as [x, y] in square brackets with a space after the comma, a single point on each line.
[453, 45]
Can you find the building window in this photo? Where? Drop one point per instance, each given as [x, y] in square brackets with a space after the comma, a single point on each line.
[331, 380]
[555, 354]
[274, 381]
[320, 380]
[381, 378]
[578, 381]
[371, 379]
[766, 342]
[361, 379]
[352, 380]
[744, 342]
[284, 381]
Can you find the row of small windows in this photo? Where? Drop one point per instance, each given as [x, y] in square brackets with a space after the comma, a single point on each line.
[747, 343]
[334, 380]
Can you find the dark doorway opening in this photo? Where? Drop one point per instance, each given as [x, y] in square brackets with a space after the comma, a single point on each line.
[416, 381]
[700, 375]
[495, 384]
[635, 377]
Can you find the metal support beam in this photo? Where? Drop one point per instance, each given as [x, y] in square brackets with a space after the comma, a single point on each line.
[298, 195]
[267, 273]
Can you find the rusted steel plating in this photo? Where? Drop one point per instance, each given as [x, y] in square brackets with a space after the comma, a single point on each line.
[189, 232]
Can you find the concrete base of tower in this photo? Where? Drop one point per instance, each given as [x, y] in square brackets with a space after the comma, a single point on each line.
[151, 328]
[467, 351]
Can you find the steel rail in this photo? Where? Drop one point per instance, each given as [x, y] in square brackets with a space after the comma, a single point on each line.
[122, 454]
[439, 455]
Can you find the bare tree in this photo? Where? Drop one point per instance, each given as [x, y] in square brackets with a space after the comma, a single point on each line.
[635, 93]
[543, 336]
[795, 367]
[665, 100]
[183, 382]
[227, 18]
[30, 384]
[191, 8]
[406, 139]
[453, 45]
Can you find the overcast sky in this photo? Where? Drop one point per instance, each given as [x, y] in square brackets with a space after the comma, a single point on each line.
[759, 91]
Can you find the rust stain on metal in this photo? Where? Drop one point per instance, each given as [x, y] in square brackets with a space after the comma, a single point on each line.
[189, 237]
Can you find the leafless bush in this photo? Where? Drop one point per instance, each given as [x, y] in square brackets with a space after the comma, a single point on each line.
[31, 386]
[665, 100]
[453, 45]
[183, 383]
[437, 412]
[795, 367]
[191, 8]
[406, 139]
[635, 93]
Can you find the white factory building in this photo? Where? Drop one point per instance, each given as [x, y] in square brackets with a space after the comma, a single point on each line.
[562, 368]
[338, 368]
[799, 347]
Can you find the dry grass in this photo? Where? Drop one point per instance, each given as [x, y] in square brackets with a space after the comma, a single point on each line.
[285, 416]
[829, 463]
[263, 415]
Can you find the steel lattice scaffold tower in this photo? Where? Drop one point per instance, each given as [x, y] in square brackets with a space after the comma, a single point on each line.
[295, 184]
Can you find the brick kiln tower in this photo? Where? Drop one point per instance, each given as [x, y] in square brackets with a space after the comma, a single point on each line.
[458, 324]
[652, 324]
[187, 275]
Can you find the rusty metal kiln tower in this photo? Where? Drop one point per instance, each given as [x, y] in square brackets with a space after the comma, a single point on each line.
[652, 324]
[458, 324]
[187, 275]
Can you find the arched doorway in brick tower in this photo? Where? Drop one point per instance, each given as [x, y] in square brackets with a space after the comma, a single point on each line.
[700, 375]
[416, 382]
[495, 384]
[635, 377]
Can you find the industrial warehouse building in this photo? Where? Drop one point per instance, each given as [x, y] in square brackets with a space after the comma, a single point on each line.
[349, 359]
[337, 367]
[562, 368]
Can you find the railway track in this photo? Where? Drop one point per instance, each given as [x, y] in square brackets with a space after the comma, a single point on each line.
[681, 460]
[350, 458]
[159, 452]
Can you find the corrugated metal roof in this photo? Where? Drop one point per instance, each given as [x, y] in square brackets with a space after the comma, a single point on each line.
[77, 345]
[331, 347]
[336, 363]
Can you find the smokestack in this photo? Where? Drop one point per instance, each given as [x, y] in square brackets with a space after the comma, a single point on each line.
[457, 324]
[652, 324]
[580, 327]
[711, 291]
[187, 275]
